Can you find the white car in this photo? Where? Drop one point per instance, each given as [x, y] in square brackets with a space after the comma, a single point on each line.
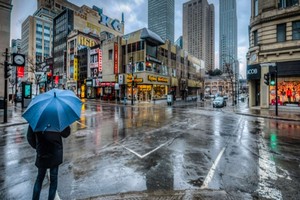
[219, 102]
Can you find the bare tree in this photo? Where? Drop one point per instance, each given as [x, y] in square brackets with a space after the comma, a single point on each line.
[230, 74]
[37, 70]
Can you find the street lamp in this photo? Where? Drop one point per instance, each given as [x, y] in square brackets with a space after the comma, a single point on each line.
[132, 79]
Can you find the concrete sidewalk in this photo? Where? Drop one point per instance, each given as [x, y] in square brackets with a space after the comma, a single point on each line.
[284, 112]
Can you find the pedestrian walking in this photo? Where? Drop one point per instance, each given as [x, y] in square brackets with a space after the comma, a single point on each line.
[49, 155]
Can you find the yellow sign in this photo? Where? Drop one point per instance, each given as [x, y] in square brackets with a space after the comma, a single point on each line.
[129, 77]
[162, 79]
[138, 80]
[152, 78]
[93, 27]
[85, 41]
[76, 69]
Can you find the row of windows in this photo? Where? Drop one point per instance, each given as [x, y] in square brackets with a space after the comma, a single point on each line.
[281, 32]
[281, 4]
[133, 47]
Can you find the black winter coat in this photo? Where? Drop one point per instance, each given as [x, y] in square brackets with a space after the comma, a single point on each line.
[48, 145]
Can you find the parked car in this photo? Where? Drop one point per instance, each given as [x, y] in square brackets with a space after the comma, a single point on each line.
[219, 102]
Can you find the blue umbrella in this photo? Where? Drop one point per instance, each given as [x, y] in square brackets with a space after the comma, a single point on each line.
[53, 110]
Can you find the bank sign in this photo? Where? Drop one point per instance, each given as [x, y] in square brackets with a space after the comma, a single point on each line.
[253, 72]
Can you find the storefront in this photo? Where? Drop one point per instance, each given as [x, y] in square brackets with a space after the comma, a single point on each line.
[147, 86]
[108, 91]
[288, 84]
[254, 77]
[90, 89]
[194, 87]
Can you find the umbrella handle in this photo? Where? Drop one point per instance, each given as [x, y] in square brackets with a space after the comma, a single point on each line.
[48, 125]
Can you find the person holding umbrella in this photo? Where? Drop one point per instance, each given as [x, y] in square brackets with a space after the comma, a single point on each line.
[49, 155]
[49, 116]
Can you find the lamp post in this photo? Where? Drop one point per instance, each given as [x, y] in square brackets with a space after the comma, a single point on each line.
[132, 79]
[6, 65]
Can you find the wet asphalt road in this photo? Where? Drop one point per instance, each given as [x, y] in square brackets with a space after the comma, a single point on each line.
[116, 149]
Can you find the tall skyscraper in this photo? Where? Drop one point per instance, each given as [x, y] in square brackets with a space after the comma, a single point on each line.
[228, 35]
[161, 18]
[199, 30]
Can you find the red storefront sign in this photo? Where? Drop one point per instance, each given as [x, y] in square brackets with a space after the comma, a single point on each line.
[116, 58]
[20, 71]
[99, 60]
[107, 84]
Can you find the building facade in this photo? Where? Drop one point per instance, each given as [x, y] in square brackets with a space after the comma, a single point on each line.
[161, 18]
[228, 35]
[198, 31]
[86, 20]
[274, 42]
[37, 40]
[5, 15]
[140, 65]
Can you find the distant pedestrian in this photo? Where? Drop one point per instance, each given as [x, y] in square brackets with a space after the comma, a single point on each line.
[49, 155]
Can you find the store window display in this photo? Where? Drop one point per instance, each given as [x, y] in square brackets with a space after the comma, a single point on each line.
[288, 93]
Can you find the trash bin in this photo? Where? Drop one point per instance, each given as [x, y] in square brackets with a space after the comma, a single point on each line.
[242, 99]
[169, 99]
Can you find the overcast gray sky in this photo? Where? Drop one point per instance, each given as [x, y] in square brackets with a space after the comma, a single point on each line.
[136, 13]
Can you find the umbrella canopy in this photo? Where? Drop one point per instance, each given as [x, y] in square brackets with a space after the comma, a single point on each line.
[53, 110]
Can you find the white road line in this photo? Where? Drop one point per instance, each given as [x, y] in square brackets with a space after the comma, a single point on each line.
[212, 170]
[267, 173]
[143, 156]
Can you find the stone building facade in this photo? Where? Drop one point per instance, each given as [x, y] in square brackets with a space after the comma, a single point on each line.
[274, 36]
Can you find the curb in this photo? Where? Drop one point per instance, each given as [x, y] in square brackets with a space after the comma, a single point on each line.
[12, 124]
[268, 117]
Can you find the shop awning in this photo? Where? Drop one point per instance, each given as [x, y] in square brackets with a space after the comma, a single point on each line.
[151, 37]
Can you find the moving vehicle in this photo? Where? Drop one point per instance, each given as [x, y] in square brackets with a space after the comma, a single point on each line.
[219, 102]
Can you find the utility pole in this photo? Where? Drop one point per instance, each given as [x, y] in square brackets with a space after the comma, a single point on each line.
[276, 89]
[132, 78]
[6, 74]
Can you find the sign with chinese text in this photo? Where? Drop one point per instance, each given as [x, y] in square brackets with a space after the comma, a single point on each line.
[99, 60]
[116, 58]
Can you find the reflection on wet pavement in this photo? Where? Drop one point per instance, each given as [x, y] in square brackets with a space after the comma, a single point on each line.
[123, 149]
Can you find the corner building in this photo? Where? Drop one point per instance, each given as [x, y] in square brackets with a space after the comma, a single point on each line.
[274, 38]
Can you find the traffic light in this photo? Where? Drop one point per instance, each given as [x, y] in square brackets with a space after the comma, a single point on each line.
[7, 69]
[267, 78]
[272, 79]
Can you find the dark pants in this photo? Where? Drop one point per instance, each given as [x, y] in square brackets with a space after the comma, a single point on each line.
[39, 182]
